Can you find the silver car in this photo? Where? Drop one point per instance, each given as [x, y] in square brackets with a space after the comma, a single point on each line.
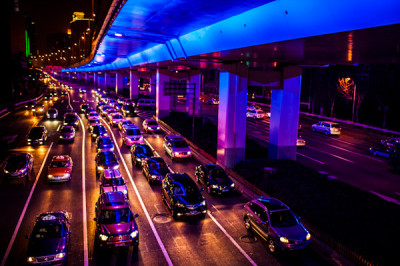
[151, 125]
[276, 224]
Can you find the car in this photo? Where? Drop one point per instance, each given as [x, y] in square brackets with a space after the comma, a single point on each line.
[126, 122]
[128, 110]
[105, 160]
[115, 119]
[256, 114]
[82, 90]
[182, 196]
[71, 119]
[110, 113]
[39, 109]
[104, 143]
[155, 169]
[214, 178]
[115, 222]
[384, 151]
[146, 103]
[118, 106]
[48, 98]
[83, 107]
[151, 125]
[18, 165]
[276, 224]
[89, 110]
[300, 142]
[112, 102]
[49, 240]
[103, 110]
[97, 130]
[93, 114]
[112, 180]
[52, 113]
[67, 133]
[140, 152]
[253, 107]
[99, 105]
[60, 169]
[176, 147]
[326, 127]
[132, 135]
[37, 135]
[92, 122]
[390, 142]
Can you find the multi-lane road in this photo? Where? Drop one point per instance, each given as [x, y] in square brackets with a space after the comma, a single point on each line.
[218, 239]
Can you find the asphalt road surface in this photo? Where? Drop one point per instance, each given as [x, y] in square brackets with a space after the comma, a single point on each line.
[218, 239]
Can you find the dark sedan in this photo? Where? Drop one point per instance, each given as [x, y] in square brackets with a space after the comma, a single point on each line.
[105, 160]
[71, 119]
[98, 130]
[37, 135]
[155, 169]
[214, 178]
[49, 241]
[19, 165]
[139, 152]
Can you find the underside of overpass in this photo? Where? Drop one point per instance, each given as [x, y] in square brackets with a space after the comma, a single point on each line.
[262, 41]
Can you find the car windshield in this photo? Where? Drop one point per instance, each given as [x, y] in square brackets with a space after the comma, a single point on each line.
[67, 130]
[105, 141]
[108, 157]
[18, 161]
[144, 150]
[71, 118]
[180, 144]
[130, 108]
[157, 165]
[219, 175]
[99, 129]
[113, 182]
[283, 218]
[56, 164]
[117, 117]
[185, 189]
[36, 131]
[116, 216]
[49, 231]
[152, 123]
[52, 111]
[133, 132]
[335, 125]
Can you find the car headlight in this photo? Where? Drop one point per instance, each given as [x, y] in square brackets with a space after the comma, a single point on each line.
[103, 237]
[203, 203]
[60, 255]
[189, 152]
[178, 204]
[308, 237]
[50, 176]
[101, 168]
[214, 186]
[158, 127]
[284, 239]
[6, 171]
[125, 191]
[134, 233]
[116, 167]
[154, 177]
[233, 185]
[30, 259]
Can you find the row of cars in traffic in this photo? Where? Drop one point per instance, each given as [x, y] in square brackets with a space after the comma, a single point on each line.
[115, 221]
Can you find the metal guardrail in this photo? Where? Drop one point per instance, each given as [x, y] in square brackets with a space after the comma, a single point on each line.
[16, 105]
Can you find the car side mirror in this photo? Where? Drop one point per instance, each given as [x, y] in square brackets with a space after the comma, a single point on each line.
[69, 232]
[136, 215]
[95, 219]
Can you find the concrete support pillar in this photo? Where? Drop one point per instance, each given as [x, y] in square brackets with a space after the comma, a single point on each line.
[232, 116]
[95, 81]
[196, 79]
[107, 79]
[119, 82]
[162, 101]
[153, 84]
[284, 122]
[86, 77]
[133, 84]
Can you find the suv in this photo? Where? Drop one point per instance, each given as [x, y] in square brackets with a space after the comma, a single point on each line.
[256, 114]
[71, 119]
[276, 224]
[37, 135]
[214, 178]
[112, 180]
[115, 222]
[132, 135]
[176, 147]
[182, 196]
[105, 160]
[155, 169]
[327, 127]
[98, 130]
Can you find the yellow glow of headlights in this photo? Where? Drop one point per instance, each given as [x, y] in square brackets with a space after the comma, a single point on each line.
[30, 259]
[60, 255]
[308, 237]
[284, 239]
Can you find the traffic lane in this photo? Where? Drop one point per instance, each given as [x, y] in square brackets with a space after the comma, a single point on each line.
[55, 197]
[192, 237]
[228, 211]
[149, 250]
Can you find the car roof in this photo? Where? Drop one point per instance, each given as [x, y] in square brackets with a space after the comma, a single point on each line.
[156, 159]
[53, 217]
[272, 204]
[112, 173]
[60, 158]
[113, 200]
[174, 137]
[182, 178]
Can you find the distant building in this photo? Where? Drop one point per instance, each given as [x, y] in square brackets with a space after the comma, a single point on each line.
[81, 36]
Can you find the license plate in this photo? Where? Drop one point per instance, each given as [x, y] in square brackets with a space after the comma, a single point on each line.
[120, 245]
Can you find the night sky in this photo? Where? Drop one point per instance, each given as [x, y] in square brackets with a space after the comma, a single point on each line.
[50, 16]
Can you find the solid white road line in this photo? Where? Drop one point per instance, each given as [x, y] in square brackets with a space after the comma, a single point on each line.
[3, 262]
[84, 213]
[331, 154]
[153, 228]
[388, 199]
[308, 157]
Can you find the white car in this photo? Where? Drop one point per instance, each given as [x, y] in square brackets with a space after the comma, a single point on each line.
[300, 142]
[151, 125]
[256, 114]
[327, 127]
[176, 147]
[125, 122]
[132, 135]
[93, 115]
[115, 119]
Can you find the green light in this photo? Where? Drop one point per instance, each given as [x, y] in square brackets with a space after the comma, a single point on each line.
[27, 44]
